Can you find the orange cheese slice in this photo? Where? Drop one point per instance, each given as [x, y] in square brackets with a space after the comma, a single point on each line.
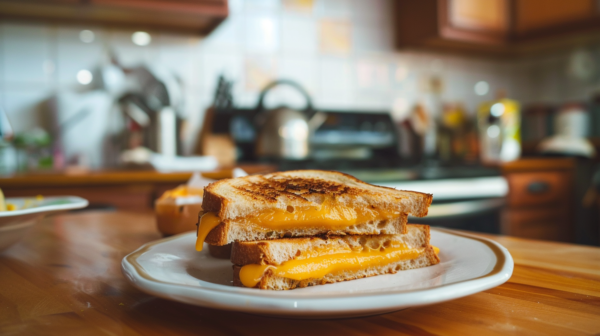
[326, 216]
[318, 267]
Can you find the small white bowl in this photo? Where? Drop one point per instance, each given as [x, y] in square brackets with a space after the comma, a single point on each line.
[14, 224]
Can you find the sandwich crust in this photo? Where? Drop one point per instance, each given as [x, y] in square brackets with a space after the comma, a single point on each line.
[276, 252]
[240, 197]
[238, 230]
[221, 252]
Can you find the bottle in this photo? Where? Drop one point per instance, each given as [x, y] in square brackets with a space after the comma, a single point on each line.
[499, 130]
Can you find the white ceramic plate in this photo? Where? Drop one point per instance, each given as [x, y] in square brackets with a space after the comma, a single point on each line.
[171, 268]
[15, 224]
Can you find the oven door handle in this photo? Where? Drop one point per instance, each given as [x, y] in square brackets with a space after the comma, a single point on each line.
[464, 208]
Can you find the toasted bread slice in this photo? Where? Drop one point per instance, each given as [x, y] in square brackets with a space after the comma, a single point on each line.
[239, 230]
[244, 196]
[277, 252]
[237, 201]
[221, 252]
[273, 282]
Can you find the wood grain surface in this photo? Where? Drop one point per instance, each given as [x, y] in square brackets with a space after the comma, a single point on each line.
[64, 278]
[114, 177]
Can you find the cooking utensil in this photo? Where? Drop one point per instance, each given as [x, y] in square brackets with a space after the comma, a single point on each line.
[285, 133]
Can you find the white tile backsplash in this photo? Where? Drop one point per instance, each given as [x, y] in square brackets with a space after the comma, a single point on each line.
[334, 9]
[372, 11]
[182, 56]
[261, 33]
[259, 71]
[357, 66]
[368, 37]
[333, 99]
[25, 48]
[228, 37]
[261, 6]
[299, 36]
[90, 55]
[303, 70]
[336, 73]
[130, 54]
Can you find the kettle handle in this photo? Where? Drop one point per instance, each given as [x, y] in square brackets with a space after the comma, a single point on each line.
[263, 93]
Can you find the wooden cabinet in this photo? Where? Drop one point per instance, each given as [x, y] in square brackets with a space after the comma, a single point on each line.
[195, 16]
[494, 26]
[474, 20]
[540, 199]
[539, 16]
[538, 188]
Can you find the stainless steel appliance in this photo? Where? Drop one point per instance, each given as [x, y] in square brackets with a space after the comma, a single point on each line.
[285, 133]
[467, 198]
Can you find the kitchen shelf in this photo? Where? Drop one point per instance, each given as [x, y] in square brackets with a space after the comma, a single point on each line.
[191, 16]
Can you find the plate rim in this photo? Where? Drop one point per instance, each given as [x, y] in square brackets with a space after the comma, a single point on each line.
[77, 203]
[273, 305]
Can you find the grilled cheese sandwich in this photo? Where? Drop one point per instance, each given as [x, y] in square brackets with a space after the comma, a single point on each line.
[327, 216]
[267, 264]
[303, 203]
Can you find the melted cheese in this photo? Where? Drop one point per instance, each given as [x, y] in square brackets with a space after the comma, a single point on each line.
[326, 216]
[318, 267]
[207, 222]
[181, 191]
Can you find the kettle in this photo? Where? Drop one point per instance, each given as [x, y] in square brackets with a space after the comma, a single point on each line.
[285, 133]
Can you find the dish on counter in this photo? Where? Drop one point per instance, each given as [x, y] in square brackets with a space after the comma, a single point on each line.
[28, 210]
[171, 268]
[177, 210]
[294, 231]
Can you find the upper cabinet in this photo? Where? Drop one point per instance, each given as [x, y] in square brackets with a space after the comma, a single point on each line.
[480, 21]
[495, 26]
[539, 18]
[194, 16]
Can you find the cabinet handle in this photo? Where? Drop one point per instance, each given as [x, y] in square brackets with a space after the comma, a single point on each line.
[538, 187]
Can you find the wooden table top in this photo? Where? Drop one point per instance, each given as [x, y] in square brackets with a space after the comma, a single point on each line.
[65, 278]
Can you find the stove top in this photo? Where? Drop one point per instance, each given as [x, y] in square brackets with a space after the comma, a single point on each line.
[390, 170]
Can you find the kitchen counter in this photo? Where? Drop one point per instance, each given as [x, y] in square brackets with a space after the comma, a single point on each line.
[110, 177]
[129, 190]
[65, 278]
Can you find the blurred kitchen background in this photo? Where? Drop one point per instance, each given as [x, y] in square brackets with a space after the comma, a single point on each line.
[491, 105]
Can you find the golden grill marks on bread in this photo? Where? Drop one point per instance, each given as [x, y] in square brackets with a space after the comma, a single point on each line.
[241, 197]
[304, 203]
[282, 264]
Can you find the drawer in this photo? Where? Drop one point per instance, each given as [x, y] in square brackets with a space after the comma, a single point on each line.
[547, 224]
[537, 189]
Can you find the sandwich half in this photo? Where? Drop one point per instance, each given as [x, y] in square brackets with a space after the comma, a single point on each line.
[303, 203]
[290, 263]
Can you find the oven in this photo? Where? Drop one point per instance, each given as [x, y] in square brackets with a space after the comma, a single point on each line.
[472, 204]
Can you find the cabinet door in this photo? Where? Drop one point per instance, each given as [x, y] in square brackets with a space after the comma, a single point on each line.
[198, 16]
[539, 189]
[551, 223]
[204, 7]
[539, 15]
[483, 21]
